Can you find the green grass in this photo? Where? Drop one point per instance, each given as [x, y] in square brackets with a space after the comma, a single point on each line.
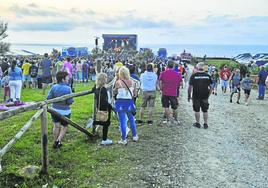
[219, 63]
[79, 163]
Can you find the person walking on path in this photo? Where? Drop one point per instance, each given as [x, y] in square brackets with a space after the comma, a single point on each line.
[246, 86]
[199, 91]
[236, 83]
[15, 82]
[225, 74]
[148, 81]
[262, 75]
[169, 81]
[46, 66]
[63, 107]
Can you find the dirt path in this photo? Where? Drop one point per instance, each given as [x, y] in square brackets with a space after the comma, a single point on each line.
[232, 152]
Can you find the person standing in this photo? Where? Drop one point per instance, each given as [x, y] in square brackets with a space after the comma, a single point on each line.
[34, 73]
[101, 98]
[262, 75]
[68, 67]
[85, 73]
[46, 66]
[26, 73]
[79, 71]
[225, 74]
[148, 81]
[124, 104]
[15, 82]
[215, 81]
[63, 107]
[199, 91]
[168, 82]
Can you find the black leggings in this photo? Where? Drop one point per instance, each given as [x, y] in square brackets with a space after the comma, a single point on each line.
[105, 125]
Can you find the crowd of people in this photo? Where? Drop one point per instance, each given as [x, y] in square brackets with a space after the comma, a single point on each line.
[120, 83]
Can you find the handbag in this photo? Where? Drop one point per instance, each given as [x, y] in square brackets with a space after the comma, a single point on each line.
[101, 115]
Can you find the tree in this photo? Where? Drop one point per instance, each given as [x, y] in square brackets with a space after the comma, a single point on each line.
[4, 47]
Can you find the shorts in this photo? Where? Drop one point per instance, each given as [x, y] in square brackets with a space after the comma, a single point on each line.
[169, 100]
[57, 120]
[200, 103]
[247, 91]
[46, 79]
[34, 79]
[148, 98]
[26, 78]
[224, 83]
[236, 89]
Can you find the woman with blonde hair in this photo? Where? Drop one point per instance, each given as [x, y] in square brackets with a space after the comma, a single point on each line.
[125, 91]
[102, 104]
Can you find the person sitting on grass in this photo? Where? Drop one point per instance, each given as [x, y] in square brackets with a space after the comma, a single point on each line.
[101, 97]
[63, 107]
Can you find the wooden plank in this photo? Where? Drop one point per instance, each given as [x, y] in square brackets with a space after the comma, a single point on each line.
[37, 105]
[44, 141]
[7, 147]
[70, 122]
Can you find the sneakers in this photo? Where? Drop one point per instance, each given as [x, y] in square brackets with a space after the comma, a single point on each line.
[238, 102]
[150, 122]
[197, 125]
[231, 100]
[135, 138]
[165, 121]
[139, 122]
[123, 142]
[57, 144]
[106, 142]
[205, 126]
[246, 104]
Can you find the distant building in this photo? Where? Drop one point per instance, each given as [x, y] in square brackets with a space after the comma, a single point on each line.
[122, 41]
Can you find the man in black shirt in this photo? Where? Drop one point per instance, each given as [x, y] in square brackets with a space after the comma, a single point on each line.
[199, 90]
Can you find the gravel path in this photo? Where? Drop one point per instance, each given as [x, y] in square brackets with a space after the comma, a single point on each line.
[232, 152]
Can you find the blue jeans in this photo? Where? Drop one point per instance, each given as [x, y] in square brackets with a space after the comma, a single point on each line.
[123, 123]
[84, 75]
[261, 89]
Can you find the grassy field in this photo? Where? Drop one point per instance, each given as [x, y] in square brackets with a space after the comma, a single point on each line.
[219, 63]
[79, 163]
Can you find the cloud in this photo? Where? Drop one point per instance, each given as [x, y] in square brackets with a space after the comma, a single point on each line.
[55, 19]
[45, 26]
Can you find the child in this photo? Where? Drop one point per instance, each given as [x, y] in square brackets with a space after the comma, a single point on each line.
[5, 83]
[246, 86]
[236, 83]
[63, 108]
[215, 81]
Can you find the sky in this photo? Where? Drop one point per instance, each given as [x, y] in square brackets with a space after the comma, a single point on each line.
[154, 21]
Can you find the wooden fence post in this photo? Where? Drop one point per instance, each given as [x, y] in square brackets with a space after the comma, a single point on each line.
[44, 141]
[0, 165]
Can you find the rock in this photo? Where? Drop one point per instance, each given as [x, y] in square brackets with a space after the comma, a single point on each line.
[29, 171]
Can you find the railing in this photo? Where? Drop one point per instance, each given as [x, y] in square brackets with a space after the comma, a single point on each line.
[42, 108]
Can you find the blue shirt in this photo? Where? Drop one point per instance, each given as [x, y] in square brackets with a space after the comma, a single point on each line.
[134, 76]
[58, 90]
[262, 77]
[16, 74]
[46, 64]
[148, 81]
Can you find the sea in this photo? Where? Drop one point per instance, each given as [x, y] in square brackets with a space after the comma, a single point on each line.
[198, 50]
